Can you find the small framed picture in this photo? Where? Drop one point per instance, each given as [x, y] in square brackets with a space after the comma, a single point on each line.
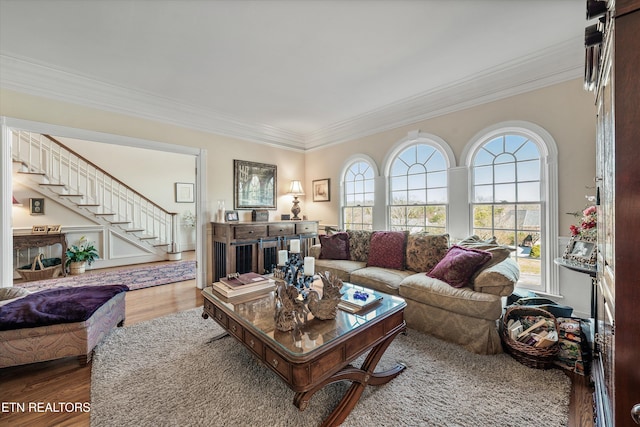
[321, 190]
[36, 207]
[231, 216]
[581, 249]
[54, 229]
[184, 192]
[39, 229]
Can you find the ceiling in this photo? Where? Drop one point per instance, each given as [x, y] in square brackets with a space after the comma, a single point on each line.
[300, 74]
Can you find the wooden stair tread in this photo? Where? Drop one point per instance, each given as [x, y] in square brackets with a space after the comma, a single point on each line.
[119, 222]
[147, 237]
[88, 204]
[134, 230]
[32, 173]
[104, 213]
[49, 184]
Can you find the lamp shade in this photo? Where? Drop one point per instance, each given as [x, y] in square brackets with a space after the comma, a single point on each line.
[295, 188]
[15, 202]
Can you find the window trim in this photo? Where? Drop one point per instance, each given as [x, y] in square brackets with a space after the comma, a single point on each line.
[549, 187]
[343, 174]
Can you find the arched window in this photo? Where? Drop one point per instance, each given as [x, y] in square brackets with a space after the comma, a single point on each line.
[358, 196]
[418, 189]
[508, 167]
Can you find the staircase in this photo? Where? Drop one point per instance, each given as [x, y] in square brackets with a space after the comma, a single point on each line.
[47, 166]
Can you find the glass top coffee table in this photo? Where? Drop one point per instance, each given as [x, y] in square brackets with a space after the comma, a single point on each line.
[318, 353]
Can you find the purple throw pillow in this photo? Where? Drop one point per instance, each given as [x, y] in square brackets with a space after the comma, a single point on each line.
[335, 246]
[458, 265]
[386, 249]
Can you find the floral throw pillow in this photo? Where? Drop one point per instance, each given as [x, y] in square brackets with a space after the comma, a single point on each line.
[359, 244]
[425, 250]
[387, 249]
[459, 265]
[335, 246]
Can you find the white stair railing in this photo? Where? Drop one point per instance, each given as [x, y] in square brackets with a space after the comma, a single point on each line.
[94, 189]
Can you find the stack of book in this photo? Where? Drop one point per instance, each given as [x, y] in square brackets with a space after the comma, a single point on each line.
[356, 300]
[243, 284]
[540, 334]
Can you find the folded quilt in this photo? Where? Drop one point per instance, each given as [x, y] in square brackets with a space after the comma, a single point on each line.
[57, 305]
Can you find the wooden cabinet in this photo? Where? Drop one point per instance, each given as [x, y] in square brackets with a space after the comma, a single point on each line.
[613, 60]
[241, 247]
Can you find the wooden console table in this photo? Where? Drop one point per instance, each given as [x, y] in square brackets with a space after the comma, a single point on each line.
[241, 247]
[26, 241]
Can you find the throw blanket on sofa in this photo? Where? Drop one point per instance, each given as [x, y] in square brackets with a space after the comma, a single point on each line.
[54, 306]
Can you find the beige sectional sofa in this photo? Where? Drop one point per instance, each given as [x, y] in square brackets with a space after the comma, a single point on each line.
[466, 315]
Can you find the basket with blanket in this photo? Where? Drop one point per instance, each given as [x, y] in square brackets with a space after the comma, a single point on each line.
[41, 269]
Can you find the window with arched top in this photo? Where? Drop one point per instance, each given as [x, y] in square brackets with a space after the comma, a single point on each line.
[418, 189]
[512, 183]
[358, 196]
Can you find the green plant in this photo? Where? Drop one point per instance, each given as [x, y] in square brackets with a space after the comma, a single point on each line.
[82, 251]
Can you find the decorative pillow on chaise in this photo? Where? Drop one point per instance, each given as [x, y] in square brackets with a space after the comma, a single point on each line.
[499, 252]
[459, 265]
[335, 246]
[425, 250]
[387, 249]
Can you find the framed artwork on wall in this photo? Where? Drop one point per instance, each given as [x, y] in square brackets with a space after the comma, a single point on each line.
[184, 192]
[321, 190]
[254, 185]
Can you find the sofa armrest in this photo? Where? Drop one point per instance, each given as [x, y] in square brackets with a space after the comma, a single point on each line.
[499, 279]
[314, 250]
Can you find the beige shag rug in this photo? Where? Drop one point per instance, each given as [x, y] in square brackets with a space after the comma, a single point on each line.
[169, 372]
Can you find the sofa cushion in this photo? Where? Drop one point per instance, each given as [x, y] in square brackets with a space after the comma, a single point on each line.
[458, 265]
[340, 268]
[425, 250]
[434, 292]
[499, 253]
[380, 279]
[499, 279]
[387, 249]
[359, 244]
[335, 246]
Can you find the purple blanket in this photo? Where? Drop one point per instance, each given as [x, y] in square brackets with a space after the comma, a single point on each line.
[57, 305]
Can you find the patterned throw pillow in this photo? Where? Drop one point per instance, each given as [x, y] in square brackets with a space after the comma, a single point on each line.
[335, 246]
[459, 265]
[425, 250]
[359, 244]
[387, 249]
[499, 253]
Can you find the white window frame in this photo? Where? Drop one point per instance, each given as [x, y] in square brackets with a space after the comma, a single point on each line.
[415, 138]
[548, 190]
[343, 175]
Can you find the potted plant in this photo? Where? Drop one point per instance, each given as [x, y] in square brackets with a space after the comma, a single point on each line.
[80, 255]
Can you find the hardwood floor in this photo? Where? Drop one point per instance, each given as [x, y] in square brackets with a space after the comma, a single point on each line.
[65, 380]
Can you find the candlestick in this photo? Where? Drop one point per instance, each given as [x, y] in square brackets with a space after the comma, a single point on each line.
[295, 247]
[282, 257]
[309, 265]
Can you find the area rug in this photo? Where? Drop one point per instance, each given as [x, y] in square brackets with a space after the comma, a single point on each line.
[134, 278]
[172, 372]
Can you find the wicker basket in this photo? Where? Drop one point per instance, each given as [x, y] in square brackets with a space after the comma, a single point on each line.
[533, 357]
[29, 275]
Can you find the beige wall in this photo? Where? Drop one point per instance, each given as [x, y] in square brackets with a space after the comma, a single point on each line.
[565, 110]
[220, 150]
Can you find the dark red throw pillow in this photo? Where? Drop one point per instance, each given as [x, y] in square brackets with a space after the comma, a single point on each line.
[458, 265]
[335, 246]
[386, 249]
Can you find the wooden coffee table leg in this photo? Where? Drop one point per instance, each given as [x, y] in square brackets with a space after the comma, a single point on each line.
[360, 378]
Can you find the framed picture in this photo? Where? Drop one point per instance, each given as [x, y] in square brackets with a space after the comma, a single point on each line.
[36, 207]
[231, 216]
[184, 192]
[39, 229]
[581, 249]
[254, 185]
[321, 190]
[54, 229]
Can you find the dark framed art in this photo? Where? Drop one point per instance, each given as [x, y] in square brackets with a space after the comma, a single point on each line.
[581, 249]
[254, 185]
[321, 190]
[36, 206]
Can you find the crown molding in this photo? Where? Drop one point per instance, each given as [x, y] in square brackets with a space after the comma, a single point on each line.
[41, 80]
[560, 63]
[557, 64]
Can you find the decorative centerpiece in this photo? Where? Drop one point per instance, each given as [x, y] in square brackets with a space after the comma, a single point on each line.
[80, 255]
[295, 298]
